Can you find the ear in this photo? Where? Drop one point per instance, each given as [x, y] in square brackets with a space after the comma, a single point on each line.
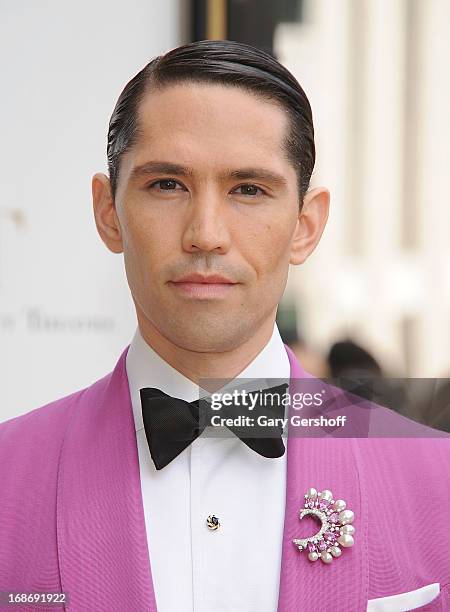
[106, 218]
[311, 222]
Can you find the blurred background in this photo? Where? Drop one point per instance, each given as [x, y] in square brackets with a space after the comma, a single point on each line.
[374, 297]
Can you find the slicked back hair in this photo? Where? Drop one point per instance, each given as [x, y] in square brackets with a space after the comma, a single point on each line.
[218, 62]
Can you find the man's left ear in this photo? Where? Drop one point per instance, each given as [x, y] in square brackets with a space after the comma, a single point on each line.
[310, 224]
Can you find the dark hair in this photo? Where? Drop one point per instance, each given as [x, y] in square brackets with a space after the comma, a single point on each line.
[218, 61]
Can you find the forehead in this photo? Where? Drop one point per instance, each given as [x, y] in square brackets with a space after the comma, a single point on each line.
[211, 124]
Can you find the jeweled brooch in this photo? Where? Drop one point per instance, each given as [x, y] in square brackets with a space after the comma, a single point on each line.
[336, 529]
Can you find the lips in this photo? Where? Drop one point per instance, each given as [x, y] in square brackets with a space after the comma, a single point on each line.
[215, 279]
[203, 286]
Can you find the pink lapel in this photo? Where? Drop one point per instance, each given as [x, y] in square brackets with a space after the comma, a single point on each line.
[322, 463]
[102, 542]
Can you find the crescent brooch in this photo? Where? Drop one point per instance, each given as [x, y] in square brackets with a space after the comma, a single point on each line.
[336, 529]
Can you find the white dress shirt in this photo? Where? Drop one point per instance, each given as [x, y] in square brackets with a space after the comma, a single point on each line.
[194, 569]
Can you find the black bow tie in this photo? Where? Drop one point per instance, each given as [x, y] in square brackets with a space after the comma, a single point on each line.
[171, 424]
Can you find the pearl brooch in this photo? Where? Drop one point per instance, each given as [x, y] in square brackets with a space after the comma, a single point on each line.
[335, 531]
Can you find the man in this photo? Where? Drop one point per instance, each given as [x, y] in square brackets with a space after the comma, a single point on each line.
[210, 152]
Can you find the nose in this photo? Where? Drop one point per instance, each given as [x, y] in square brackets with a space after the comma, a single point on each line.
[206, 226]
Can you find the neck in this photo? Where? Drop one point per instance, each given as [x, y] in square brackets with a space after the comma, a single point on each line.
[202, 365]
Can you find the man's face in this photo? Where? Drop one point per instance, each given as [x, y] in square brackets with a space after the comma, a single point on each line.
[207, 191]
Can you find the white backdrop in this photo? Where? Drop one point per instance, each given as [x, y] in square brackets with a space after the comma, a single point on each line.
[65, 308]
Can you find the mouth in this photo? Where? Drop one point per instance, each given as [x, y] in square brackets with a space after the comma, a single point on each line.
[200, 286]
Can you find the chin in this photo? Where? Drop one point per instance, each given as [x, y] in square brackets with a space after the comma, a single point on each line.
[205, 338]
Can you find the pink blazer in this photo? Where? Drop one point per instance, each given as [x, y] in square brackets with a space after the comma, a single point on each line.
[72, 519]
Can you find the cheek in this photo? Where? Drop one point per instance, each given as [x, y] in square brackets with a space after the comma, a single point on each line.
[143, 230]
[269, 247]
[141, 255]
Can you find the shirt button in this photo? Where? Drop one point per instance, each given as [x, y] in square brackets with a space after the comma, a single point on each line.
[212, 522]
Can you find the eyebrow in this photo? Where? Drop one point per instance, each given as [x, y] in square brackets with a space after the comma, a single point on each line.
[250, 173]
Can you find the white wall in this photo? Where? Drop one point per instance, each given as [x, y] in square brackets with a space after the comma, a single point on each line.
[63, 65]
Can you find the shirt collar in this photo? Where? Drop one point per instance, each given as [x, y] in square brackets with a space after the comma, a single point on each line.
[145, 368]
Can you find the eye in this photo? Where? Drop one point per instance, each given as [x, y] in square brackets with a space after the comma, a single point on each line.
[250, 190]
[166, 185]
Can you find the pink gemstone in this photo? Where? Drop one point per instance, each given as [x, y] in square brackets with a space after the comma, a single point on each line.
[334, 518]
[324, 503]
[330, 536]
[322, 545]
[312, 547]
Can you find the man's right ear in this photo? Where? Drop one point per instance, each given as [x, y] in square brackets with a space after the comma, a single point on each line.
[105, 213]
